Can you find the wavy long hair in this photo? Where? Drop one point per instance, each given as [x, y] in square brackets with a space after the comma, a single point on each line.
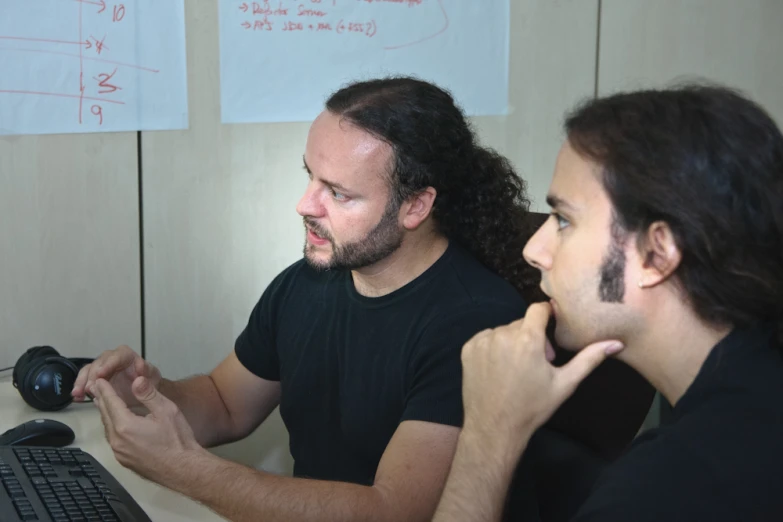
[481, 202]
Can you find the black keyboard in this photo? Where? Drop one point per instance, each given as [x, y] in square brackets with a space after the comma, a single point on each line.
[61, 485]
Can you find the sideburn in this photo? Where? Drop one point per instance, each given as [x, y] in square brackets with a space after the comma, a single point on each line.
[611, 288]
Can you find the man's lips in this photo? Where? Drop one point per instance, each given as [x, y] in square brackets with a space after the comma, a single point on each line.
[315, 239]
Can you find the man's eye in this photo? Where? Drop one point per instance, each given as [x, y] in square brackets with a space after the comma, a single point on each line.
[338, 196]
[560, 220]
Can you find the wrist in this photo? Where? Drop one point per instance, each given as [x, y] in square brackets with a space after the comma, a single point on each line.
[184, 469]
[499, 441]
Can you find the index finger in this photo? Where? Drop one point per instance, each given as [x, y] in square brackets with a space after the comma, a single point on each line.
[116, 362]
[537, 316]
[78, 385]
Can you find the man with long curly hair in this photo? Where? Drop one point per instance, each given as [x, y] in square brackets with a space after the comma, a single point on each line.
[664, 249]
[413, 235]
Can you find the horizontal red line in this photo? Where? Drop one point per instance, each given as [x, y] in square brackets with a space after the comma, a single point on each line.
[39, 93]
[40, 40]
[85, 58]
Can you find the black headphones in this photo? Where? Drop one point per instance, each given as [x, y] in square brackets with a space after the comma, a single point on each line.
[45, 379]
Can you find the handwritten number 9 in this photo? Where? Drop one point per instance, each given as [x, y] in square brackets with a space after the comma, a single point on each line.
[97, 111]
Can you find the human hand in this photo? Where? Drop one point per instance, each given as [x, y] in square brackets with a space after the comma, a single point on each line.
[153, 445]
[120, 367]
[510, 387]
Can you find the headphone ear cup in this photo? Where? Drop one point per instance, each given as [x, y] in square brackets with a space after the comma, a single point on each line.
[44, 378]
[48, 384]
[28, 358]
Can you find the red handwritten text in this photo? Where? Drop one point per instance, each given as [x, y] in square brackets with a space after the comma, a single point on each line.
[103, 82]
[266, 9]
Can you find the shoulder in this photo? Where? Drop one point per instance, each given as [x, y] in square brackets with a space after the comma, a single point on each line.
[470, 283]
[705, 467]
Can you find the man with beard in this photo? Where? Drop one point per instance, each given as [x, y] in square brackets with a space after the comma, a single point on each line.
[665, 247]
[413, 234]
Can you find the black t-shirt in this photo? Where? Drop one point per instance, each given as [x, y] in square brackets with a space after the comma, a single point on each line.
[352, 368]
[720, 458]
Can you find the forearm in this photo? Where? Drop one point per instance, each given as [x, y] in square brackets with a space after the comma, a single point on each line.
[240, 494]
[480, 475]
[200, 402]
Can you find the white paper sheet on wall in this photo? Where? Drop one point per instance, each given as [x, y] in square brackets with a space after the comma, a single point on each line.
[92, 66]
[279, 59]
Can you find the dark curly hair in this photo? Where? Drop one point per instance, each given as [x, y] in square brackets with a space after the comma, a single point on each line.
[709, 162]
[481, 203]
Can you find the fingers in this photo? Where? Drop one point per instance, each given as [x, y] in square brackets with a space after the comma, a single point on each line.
[104, 367]
[109, 404]
[537, 316]
[549, 352]
[588, 359]
[139, 365]
[79, 384]
[116, 361]
[150, 397]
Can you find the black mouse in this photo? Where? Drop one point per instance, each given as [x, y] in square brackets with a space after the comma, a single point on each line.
[38, 432]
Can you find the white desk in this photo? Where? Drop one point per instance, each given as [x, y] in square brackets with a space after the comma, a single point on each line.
[160, 504]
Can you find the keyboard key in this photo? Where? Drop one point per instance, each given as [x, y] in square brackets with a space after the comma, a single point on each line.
[68, 483]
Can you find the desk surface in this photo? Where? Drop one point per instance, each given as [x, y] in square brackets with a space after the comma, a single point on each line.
[161, 504]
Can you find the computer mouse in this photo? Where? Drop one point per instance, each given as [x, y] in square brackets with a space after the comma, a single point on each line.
[38, 432]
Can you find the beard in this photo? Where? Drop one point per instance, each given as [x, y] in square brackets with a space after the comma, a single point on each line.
[576, 334]
[379, 243]
[611, 288]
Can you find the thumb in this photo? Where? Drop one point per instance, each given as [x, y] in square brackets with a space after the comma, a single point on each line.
[587, 360]
[146, 394]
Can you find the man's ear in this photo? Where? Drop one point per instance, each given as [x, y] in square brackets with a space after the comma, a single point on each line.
[660, 254]
[418, 207]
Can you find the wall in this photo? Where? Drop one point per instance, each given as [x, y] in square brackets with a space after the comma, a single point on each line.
[217, 201]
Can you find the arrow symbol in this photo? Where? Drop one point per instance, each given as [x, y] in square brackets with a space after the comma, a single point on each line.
[243, 7]
[22, 38]
[246, 25]
[87, 44]
[100, 3]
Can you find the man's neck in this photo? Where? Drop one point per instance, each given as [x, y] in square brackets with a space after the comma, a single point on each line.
[672, 349]
[413, 258]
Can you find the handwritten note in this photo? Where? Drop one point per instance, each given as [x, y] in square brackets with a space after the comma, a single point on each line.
[92, 66]
[279, 59]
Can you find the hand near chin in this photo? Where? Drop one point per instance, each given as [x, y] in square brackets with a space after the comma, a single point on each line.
[510, 387]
